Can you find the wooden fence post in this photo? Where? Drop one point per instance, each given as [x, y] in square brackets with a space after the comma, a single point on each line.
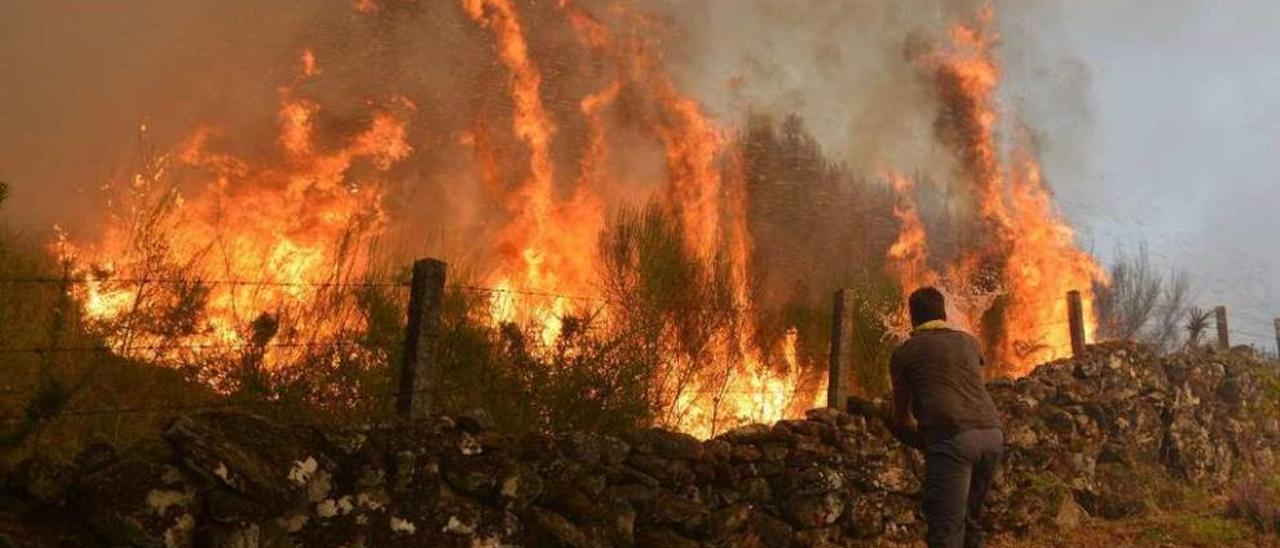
[1278, 337]
[1224, 334]
[840, 368]
[1075, 319]
[426, 297]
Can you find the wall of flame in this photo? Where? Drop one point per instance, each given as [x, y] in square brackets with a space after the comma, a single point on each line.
[540, 165]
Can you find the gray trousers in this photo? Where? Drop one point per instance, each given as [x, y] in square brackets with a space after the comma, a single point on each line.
[958, 473]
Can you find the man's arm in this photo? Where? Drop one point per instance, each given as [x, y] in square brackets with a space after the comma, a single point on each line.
[903, 423]
[977, 349]
[902, 417]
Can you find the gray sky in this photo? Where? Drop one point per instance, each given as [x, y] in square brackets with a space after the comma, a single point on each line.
[1177, 143]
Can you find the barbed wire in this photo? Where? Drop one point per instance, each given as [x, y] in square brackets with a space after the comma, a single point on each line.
[604, 302]
[72, 412]
[288, 345]
[192, 281]
[532, 293]
[1248, 313]
[220, 346]
[346, 398]
[375, 284]
[1249, 333]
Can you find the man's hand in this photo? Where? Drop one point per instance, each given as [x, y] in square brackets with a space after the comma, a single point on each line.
[903, 424]
[907, 432]
[907, 424]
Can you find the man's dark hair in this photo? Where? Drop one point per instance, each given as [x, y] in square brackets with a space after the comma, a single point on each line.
[927, 304]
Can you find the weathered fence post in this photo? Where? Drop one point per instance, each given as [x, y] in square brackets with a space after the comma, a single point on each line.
[1278, 337]
[1075, 319]
[426, 297]
[1224, 334]
[840, 371]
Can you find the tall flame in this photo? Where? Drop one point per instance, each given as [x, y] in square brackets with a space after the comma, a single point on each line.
[909, 254]
[1021, 258]
[247, 244]
[705, 191]
[542, 243]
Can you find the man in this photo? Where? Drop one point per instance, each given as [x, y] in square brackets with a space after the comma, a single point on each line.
[940, 400]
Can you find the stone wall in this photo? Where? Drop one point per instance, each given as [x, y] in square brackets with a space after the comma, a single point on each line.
[1110, 435]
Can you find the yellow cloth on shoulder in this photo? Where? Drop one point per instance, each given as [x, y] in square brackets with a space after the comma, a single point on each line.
[926, 326]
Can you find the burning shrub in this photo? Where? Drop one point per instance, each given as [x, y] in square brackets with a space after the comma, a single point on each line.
[590, 377]
[709, 367]
[53, 365]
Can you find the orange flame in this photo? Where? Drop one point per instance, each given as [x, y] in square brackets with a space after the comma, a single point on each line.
[909, 254]
[544, 241]
[309, 67]
[1042, 265]
[1024, 256]
[309, 216]
[743, 386]
[291, 230]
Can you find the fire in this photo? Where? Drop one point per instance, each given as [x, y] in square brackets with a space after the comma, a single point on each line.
[553, 229]
[1043, 264]
[309, 67]
[301, 222]
[546, 241]
[1024, 259]
[244, 246]
[542, 243]
[909, 254]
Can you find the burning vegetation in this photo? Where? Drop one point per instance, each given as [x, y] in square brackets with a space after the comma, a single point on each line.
[1020, 256]
[626, 253]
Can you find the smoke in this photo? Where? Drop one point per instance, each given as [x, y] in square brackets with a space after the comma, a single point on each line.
[845, 67]
[1050, 90]
[848, 69]
[82, 77]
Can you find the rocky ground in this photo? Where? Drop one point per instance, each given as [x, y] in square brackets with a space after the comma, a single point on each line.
[1119, 438]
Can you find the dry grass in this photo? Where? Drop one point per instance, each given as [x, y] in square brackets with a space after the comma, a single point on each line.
[1200, 527]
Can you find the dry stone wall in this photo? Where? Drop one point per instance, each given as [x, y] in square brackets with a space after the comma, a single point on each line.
[1109, 435]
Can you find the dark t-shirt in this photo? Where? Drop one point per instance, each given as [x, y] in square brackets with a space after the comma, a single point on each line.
[943, 370]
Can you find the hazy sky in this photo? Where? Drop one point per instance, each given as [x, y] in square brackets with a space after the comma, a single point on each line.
[1179, 139]
[1160, 119]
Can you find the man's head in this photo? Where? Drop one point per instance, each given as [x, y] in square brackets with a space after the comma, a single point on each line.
[927, 304]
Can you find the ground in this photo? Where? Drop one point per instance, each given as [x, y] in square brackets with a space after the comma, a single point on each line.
[1202, 527]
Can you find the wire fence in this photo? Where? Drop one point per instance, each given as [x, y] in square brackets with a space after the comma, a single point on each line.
[193, 281]
[596, 302]
[218, 405]
[602, 303]
[478, 289]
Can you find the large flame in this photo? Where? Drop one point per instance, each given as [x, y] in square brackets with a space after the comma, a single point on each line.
[303, 220]
[541, 243]
[1021, 258]
[185, 271]
[909, 254]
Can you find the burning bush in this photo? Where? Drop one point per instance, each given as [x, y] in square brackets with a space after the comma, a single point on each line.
[588, 378]
[666, 343]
